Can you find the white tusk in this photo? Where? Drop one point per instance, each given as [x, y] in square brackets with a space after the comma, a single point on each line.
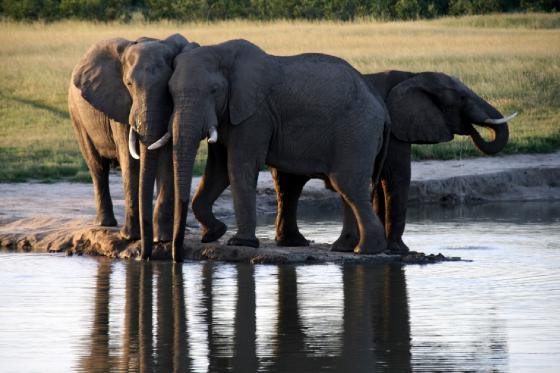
[161, 142]
[132, 143]
[212, 135]
[501, 120]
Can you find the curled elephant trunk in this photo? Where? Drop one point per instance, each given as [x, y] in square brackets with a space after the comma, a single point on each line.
[132, 140]
[500, 140]
[495, 122]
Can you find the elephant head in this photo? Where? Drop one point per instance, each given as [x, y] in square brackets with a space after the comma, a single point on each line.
[432, 107]
[127, 81]
[210, 86]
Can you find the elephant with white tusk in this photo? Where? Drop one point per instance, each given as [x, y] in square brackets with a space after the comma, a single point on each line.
[119, 101]
[304, 114]
[425, 108]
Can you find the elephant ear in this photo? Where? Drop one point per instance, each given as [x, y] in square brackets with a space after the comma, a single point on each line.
[415, 115]
[253, 75]
[98, 76]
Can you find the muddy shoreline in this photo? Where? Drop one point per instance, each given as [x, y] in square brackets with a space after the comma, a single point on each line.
[37, 217]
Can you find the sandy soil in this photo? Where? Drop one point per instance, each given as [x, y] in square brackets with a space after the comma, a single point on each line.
[57, 217]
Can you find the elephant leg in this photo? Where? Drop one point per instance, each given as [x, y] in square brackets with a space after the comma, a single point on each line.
[243, 173]
[356, 191]
[130, 169]
[288, 189]
[378, 201]
[350, 235]
[99, 170]
[163, 212]
[214, 181]
[396, 184]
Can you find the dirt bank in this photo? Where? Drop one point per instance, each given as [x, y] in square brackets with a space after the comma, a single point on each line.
[56, 217]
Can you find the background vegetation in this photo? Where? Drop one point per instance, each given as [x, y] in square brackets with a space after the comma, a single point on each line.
[511, 60]
[189, 10]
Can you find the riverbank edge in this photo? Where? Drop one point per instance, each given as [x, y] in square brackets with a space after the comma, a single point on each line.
[489, 179]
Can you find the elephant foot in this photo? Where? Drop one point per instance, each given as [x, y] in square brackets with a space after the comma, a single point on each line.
[106, 221]
[214, 233]
[371, 247]
[163, 231]
[397, 247]
[238, 241]
[130, 234]
[163, 238]
[345, 243]
[145, 255]
[292, 240]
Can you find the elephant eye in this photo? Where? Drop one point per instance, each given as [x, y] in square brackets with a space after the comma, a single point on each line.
[129, 83]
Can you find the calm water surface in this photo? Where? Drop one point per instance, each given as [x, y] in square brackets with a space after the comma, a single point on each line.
[498, 313]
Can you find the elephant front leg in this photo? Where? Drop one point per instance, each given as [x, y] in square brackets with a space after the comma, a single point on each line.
[288, 190]
[214, 181]
[243, 177]
[130, 174]
[395, 180]
[163, 212]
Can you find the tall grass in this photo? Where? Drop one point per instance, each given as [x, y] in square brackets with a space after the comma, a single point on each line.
[515, 66]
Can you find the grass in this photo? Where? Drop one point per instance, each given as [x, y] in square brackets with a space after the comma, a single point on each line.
[511, 60]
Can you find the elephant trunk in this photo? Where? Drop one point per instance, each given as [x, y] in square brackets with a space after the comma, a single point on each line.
[186, 138]
[501, 137]
[484, 114]
[148, 171]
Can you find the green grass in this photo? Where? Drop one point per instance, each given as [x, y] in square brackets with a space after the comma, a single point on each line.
[511, 60]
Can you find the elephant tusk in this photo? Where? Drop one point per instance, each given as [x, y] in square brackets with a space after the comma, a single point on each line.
[132, 144]
[161, 142]
[212, 135]
[501, 120]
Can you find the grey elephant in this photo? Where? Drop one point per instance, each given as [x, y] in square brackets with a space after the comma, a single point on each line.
[425, 108]
[118, 95]
[304, 114]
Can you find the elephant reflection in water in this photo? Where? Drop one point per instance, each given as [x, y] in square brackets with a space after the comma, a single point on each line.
[137, 353]
[374, 316]
[99, 358]
[372, 328]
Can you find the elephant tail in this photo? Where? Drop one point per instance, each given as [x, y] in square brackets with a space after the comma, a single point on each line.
[380, 158]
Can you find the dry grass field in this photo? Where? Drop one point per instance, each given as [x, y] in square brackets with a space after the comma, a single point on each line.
[511, 60]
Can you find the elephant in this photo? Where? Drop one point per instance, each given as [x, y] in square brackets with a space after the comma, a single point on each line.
[424, 108]
[117, 91]
[304, 114]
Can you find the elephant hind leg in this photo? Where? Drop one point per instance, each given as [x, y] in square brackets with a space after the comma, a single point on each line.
[99, 170]
[355, 190]
[288, 189]
[350, 235]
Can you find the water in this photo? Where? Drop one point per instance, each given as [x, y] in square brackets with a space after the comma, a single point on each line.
[498, 313]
